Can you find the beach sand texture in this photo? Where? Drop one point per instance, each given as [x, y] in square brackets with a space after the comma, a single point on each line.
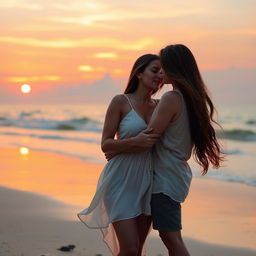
[42, 192]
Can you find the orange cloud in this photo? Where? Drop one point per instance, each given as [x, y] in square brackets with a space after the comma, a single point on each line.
[22, 4]
[88, 68]
[105, 55]
[32, 79]
[94, 42]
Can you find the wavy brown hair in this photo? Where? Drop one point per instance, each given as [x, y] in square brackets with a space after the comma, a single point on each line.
[139, 66]
[180, 66]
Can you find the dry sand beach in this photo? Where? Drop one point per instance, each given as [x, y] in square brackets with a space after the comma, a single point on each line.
[42, 192]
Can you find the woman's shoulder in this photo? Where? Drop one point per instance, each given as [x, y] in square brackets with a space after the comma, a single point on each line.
[119, 99]
[118, 103]
[171, 96]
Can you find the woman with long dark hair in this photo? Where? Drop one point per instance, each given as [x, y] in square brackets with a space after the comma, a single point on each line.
[184, 119]
[121, 205]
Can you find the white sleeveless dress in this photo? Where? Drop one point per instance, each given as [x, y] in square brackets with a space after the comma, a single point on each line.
[124, 187]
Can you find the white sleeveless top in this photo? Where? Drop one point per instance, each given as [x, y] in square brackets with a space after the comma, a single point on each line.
[172, 174]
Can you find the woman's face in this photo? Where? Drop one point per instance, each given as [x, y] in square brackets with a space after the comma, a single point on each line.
[152, 76]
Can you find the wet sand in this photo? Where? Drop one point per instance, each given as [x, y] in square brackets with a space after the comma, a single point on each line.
[42, 192]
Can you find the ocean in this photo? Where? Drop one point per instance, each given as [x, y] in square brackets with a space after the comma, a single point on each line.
[75, 130]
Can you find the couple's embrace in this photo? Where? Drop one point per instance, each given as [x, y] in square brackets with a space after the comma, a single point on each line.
[147, 143]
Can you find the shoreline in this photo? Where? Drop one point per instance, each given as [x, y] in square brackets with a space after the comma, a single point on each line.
[34, 228]
[215, 211]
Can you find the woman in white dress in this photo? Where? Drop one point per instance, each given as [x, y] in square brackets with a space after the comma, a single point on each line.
[121, 205]
[184, 119]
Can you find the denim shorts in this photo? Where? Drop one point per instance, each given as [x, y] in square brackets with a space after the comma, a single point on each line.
[166, 213]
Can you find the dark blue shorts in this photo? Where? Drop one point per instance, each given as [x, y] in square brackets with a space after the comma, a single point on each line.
[166, 213]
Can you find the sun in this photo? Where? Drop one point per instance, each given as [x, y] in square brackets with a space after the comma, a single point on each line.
[24, 151]
[25, 88]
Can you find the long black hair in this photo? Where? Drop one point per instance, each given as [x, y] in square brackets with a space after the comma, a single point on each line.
[181, 68]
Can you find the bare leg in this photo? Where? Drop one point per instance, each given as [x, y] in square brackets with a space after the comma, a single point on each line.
[143, 224]
[128, 237]
[174, 243]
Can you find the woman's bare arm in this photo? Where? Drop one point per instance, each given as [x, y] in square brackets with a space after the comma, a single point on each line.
[111, 124]
[167, 110]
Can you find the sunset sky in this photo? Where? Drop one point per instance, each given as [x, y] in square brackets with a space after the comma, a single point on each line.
[80, 51]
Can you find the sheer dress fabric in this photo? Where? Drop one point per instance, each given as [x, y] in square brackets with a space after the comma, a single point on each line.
[124, 187]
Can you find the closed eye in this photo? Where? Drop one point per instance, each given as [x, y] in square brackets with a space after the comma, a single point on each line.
[155, 70]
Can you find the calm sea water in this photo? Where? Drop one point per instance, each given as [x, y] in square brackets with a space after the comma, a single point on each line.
[75, 130]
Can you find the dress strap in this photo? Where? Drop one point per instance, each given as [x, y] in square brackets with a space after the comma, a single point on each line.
[178, 91]
[182, 100]
[156, 101]
[126, 96]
